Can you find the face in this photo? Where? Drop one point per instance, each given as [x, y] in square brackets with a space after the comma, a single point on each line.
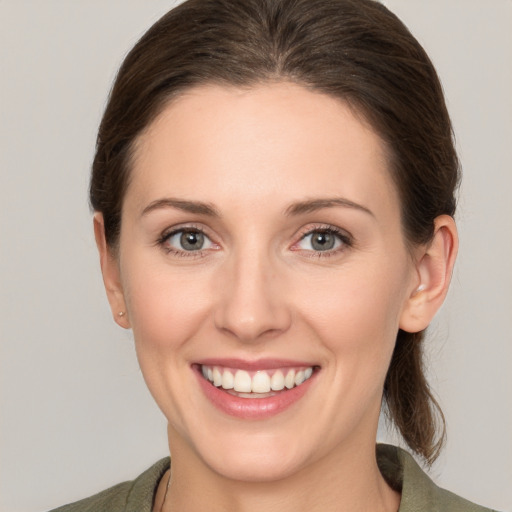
[264, 274]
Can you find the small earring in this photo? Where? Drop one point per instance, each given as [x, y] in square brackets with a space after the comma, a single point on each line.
[421, 287]
[121, 313]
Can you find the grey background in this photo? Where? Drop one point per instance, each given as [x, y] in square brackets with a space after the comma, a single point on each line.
[75, 416]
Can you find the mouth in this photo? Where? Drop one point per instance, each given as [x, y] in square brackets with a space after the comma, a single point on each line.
[254, 390]
[257, 383]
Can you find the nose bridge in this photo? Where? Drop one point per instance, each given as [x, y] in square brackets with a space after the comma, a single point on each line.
[251, 303]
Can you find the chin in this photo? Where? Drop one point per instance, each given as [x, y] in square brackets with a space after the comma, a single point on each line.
[261, 465]
[251, 456]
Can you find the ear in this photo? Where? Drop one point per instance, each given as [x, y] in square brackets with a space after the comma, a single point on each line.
[111, 274]
[434, 265]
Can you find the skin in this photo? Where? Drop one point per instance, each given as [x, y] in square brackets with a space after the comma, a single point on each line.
[259, 289]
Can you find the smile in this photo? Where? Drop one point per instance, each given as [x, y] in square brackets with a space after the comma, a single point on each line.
[256, 384]
[254, 390]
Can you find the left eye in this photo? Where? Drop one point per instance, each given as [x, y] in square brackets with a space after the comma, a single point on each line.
[320, 240]
[188, 240]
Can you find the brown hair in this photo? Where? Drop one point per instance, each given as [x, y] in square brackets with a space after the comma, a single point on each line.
[354, 50]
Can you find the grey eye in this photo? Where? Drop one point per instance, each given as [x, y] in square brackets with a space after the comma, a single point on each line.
[320, 241]
[188, 240]
[192, 240]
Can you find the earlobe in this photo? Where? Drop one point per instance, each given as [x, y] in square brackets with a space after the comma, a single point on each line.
[434, 270]
[111, 274]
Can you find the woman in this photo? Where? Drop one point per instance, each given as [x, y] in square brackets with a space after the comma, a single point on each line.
[273, 190]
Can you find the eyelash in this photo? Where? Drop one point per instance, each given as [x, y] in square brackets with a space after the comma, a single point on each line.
[166, 235]
[345, 239]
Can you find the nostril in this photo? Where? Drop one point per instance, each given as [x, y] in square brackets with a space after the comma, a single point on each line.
[252, 325]
[249, 305]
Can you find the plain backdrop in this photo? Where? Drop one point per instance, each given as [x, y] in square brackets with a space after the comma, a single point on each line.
[75, 414]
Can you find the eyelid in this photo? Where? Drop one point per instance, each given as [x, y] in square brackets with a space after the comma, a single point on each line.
[171, 230]
[174, 230]
[344, 236]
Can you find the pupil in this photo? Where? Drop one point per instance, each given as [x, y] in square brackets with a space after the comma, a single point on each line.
[191, 240]
[322, 241]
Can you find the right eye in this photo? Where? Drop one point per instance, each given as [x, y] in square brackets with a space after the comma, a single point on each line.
[186, 240]
[321, 240]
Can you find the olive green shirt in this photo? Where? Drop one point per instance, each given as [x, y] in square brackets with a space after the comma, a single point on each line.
[419, 493]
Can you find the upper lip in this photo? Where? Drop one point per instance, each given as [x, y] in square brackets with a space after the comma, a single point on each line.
[257, 364]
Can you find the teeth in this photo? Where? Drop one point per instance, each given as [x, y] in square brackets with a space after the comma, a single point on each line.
[228, 381]
[243, 382]
[217, 377]
[289, 380]
[253, 395]
[277, 381]
[259, 383]
[299, 378]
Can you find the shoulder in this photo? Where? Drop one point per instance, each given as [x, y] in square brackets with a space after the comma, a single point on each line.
[132, 496]
[419, 492]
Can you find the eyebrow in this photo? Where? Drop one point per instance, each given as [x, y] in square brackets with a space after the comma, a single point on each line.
[197, 207]
[313, 205]
[302, 207]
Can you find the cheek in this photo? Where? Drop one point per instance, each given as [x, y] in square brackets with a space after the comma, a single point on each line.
[356, 315]
[166, 308]
[166, 311]
[360, 301]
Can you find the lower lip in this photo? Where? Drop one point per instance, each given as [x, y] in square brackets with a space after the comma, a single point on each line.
[252, 408]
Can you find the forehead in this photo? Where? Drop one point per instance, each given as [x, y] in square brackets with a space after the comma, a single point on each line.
[279, 140]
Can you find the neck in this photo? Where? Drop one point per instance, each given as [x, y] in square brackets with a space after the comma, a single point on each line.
[344, 480]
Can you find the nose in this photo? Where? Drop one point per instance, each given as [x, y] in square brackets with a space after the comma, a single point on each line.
[251, 299]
